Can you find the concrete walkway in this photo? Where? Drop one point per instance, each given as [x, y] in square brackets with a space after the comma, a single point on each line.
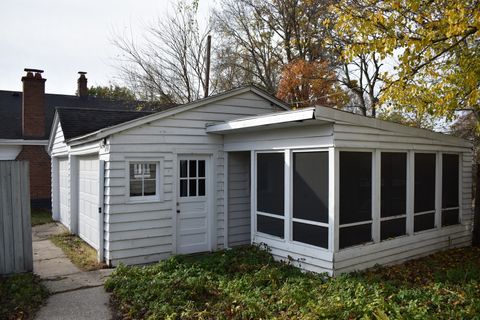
[75, 294]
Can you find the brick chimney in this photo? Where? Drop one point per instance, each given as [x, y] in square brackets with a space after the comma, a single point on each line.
[82, 90]
[33, 104]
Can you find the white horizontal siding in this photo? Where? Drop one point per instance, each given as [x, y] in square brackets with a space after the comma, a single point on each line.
[354, 136]
[59, 148]
[144, 232]
[310, 136]
[305, 257]
[401, 249]
[238, 198]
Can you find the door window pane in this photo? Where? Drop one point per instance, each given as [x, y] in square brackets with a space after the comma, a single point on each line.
[183, 168]
[310, 186]
[393, 184]
[201, 187]
[201, 168]
[192, 178]
[269, 225]
[311, 234]
[355, 187]
[192, 188]
[424, 199]
[192, 173]
[183, 188]
[270, 183]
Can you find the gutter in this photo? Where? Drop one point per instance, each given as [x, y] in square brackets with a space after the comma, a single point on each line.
[23, 142]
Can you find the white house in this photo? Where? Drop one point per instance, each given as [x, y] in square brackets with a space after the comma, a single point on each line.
[329, 190]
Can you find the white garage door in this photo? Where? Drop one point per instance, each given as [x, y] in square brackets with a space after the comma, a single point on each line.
[88, 200]
[64, 192]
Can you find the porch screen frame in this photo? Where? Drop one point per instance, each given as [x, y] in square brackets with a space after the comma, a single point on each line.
[266, 214]
[373, 196]
[292, 220]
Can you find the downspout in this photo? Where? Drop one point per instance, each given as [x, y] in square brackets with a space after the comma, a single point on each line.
[101, 190]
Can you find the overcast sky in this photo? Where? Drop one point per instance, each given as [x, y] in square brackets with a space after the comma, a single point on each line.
[63, 37]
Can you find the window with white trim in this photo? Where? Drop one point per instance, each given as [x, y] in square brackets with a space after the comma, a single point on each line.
[450, 189]
[355, 198]
[424, 192]
[393, 195]
[310, 198]
[143, 179]
[270, 193]
[192, 178]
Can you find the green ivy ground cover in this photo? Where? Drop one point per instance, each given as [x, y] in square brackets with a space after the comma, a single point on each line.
[246, 283]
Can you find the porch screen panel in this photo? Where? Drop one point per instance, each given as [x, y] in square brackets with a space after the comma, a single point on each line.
[310, 186]
[310, 198]
[270, 193]
[450, 189]
[393, 200]
[355, 198]
[424, 193]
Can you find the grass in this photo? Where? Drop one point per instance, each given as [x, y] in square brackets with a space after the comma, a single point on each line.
[78, 251]
[246, 283]
[40, 216]
[21, 296]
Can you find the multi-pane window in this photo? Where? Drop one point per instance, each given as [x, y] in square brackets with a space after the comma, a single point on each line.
[192, 178]
[424, 192]
[450, 189]
[310, 198]
[143, 179]
[270, 193]
[393, 195]
[355, 198]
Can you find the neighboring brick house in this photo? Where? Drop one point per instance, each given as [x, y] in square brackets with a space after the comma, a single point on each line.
[25, 121]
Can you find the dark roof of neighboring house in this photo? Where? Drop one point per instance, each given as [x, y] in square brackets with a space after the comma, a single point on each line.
[11, 109]
[80, 121]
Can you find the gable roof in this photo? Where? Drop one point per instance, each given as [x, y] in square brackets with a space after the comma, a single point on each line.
[80, 121]
[11, 109]
[104, 132]
[319, 114]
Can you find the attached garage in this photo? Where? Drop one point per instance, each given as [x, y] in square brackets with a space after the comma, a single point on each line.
[64, 191]
[88, 201]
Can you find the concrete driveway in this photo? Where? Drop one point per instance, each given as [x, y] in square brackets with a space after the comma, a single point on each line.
[75, 294]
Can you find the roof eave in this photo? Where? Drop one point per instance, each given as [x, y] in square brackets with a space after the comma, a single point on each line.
[263, 120]
[339, 116]
[102, 133]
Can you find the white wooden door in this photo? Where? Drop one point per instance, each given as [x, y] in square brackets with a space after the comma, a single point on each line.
[88, 200]
[64, 191]
[192, 204]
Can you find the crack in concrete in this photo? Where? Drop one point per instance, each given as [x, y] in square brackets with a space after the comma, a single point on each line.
[77, 289]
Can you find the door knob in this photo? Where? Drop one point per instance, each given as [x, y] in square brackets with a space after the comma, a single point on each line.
[178, 211]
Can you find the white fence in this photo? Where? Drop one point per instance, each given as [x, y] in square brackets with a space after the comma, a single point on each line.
[15, 226]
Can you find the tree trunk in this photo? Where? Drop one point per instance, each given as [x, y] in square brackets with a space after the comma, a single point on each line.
[476, 215]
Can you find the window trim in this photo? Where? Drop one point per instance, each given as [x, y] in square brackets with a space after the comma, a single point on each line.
[158, 197]
[197, 179]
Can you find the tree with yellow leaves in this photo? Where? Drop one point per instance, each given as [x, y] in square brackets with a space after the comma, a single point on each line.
[436, 45]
